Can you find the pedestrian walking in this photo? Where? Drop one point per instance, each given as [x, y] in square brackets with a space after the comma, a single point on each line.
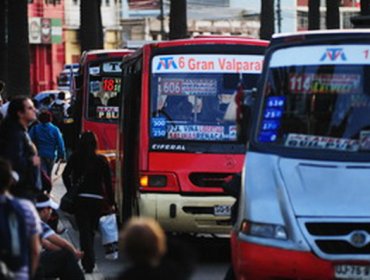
[17, 147]
[19, 231]
[49, 142]
[59, 258]
[90, 173]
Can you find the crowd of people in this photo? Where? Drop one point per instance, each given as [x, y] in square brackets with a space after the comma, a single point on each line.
[31, 244]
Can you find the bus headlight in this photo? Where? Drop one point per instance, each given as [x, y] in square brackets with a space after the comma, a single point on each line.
[264, 230]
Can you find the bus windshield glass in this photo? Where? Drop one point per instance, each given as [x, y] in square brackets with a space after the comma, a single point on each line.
[319, 100]
[104, 86]
[196, 97]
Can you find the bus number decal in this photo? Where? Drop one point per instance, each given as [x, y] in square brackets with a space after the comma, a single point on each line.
[158, 127]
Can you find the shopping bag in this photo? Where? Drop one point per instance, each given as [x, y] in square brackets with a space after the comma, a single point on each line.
[109, 234]
[69, 199]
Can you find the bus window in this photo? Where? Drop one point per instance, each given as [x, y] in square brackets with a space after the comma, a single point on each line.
[104, 88]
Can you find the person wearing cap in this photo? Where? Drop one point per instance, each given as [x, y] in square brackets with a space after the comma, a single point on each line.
[59, 257]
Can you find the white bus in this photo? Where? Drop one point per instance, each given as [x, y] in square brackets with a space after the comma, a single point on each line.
[304, 211]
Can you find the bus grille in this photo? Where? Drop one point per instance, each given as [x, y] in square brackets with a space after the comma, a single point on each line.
[339, 238]
[210, 180]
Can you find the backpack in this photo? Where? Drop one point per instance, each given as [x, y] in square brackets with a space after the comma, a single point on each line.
[13, 235]
[57, 111]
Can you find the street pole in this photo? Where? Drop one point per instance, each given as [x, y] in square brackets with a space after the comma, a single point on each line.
[278, 12]
[162, 19]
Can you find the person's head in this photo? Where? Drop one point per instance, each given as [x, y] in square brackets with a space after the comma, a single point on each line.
[44, 206]
[143, 241]
[22, 109]
[6, 177]
[45, 117]
[61, 95]
[88, 143]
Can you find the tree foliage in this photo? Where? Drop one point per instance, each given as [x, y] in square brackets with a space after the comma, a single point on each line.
[178, 20]
[18, 48]
[91, 29]
[267, 19]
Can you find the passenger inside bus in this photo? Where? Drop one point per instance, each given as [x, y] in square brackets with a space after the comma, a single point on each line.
[178, 108]
[210, 110]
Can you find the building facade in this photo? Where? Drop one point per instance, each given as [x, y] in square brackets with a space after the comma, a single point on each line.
[46, 43]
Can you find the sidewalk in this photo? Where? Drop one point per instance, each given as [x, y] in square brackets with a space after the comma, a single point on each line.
[104, 269]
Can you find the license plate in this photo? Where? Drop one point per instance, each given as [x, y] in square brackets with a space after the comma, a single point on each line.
[358, 272]
[222, 210]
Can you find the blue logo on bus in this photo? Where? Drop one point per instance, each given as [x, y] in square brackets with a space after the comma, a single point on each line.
[332, 54]
[167, 63]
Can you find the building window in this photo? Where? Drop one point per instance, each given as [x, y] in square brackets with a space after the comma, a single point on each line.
[54, 2]
[107, 2]
[75, 2]
[30, 1]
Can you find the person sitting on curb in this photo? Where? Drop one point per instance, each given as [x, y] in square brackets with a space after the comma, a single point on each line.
[59, 257]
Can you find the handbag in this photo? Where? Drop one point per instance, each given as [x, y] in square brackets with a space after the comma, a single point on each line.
[109, 233]
[68, 200]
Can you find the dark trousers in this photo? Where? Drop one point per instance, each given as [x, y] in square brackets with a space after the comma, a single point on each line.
[59, 264]
[87, 217]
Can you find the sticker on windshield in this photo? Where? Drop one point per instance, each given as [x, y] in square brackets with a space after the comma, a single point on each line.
[324, 83]
[94, 70]
[321, 142]
[365, 140]
[158, 126]
[201, 132]
[267, 136]
[107, 112]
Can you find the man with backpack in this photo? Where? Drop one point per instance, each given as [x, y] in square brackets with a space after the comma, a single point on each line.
[59, 109]
[19, 232]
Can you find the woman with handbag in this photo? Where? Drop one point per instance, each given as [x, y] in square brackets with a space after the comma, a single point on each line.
[90, 174]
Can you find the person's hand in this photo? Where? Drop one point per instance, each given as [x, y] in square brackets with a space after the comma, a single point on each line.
[113, 208]
[61, 160]
[36, 161]
[79, 254]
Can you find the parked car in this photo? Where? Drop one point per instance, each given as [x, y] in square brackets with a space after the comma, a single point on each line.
[41, 95]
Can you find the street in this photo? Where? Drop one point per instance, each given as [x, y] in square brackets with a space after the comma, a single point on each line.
[211, 256]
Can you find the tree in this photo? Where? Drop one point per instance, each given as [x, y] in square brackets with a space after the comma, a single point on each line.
[178, 20]
[332, 14]
[365, 7]
[267, 19]
[91, 29]
[3, 43]
[18, 49]
[313, 14]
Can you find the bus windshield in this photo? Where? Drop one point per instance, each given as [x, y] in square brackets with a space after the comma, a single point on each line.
[104, 85]
[317, 101]
[196, 97]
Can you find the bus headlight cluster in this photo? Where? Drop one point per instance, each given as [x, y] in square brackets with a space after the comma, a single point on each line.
[264, 230]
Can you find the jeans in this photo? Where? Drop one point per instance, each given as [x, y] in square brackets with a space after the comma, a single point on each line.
[47, 165]
[87, 214]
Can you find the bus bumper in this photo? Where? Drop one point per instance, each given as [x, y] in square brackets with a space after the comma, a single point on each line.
[190, 214]
[253, 261]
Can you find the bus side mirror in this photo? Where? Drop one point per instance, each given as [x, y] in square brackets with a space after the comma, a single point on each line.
[247, 108]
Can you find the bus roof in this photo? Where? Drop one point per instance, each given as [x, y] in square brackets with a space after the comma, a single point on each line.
[95, 54]
[209, 39]
[317, 34]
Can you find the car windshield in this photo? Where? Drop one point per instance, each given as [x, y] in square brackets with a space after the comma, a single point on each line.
[319, 100]
[104, 85]
[196, 97]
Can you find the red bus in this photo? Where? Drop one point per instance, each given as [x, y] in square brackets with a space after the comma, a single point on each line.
[182, 138]
[97, 99]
